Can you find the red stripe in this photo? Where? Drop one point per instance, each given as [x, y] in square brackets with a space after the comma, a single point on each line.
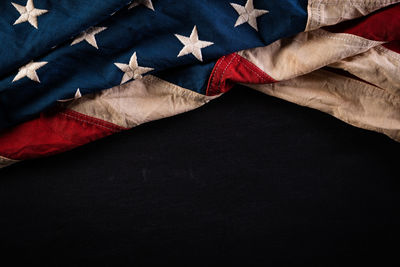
[394, 46]
[383, 25]
[233, 69]
[53, 133]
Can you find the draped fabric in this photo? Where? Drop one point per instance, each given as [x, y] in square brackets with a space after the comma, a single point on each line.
[72, 72]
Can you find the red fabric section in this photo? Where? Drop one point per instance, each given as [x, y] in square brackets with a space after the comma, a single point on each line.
[233, 69]
[383, 25]
[394, 46]
[53, 133]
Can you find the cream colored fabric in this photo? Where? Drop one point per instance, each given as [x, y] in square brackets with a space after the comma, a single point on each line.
[296, 62]
[291, 57]
[379, 66]
[4, 162]
[355, 102]
[139, 101]
[328, 12]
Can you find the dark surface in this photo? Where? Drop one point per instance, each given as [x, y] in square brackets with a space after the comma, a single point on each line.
[246, 179]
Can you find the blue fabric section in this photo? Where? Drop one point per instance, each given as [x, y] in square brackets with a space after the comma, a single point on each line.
[287, 18]
[65, 18]
[148, 33]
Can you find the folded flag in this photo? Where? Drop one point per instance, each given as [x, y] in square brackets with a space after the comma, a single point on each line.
[73, 71]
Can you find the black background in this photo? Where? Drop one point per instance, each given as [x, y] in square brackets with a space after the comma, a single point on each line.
[247, 179]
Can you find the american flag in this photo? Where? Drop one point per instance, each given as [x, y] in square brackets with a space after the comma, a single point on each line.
[74, 71]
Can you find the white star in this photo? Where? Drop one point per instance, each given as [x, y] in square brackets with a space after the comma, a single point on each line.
[29, 70]
[132, 70]
[192, 44]
[89, 36]
[28, 13]
[77, 96]
[146, 3]
[248, 14]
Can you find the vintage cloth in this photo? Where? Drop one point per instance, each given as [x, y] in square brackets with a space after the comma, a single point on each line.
[76, 71]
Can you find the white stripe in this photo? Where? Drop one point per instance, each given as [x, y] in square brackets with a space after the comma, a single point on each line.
[329, 12]
[379, 66]
[291, 57]
[355, 102]
[139, 101]
[4, 162]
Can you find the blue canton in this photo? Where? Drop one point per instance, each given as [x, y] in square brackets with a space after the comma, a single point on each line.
[54, 49]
